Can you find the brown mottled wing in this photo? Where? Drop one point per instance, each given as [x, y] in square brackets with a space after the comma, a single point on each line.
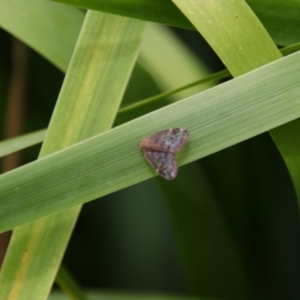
[164, 163]
[171, 140]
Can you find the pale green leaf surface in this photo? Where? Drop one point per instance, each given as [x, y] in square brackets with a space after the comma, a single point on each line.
[280, 17]
[21, 142]
[87, 105]
[20, 18]
[233, 31]
[159, 97]
[217, 118]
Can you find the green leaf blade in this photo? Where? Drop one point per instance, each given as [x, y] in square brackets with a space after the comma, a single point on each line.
[216, 118]
[105, 40]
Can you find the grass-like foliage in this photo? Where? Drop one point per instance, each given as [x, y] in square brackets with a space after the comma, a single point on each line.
[232, 209]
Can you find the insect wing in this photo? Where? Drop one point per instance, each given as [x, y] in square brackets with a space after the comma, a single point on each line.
[176, 139]
[159, 150]
[171, 140]
[164, 163]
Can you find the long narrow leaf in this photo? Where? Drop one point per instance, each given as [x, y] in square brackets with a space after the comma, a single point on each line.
[87, 105]
[217, 118]
[21, 142]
